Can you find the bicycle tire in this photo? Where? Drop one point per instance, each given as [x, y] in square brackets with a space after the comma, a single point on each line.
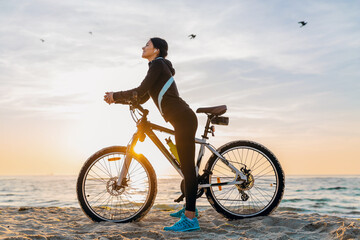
[264, 192]
[96, 194]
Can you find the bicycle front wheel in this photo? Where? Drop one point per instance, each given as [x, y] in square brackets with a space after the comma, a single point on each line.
[259, 195]
[99, 196]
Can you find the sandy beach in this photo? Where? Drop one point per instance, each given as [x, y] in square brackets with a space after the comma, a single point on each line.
[71, 223]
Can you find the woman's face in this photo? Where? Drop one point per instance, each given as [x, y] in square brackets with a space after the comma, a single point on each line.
[149, 52]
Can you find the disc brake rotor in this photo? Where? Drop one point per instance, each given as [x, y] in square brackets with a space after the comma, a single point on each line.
[112, 188]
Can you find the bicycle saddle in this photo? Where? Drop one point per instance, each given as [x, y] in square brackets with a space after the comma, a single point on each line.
[217, 110]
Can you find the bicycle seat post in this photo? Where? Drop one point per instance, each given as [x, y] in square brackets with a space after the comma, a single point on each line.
[207, 126]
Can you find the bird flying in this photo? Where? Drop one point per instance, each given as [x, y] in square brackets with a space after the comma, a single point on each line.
[42, 40]
[192, 36]
[90, 33]
[303, 23]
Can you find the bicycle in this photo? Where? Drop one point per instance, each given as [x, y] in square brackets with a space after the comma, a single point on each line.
[241, 179]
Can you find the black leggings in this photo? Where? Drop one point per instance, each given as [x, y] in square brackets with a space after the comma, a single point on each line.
[185, 125]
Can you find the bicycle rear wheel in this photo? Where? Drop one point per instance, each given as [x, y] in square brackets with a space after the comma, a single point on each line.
[98, 195]
[259, 195]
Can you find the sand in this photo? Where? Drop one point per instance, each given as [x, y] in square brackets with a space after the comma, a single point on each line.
[71, 223]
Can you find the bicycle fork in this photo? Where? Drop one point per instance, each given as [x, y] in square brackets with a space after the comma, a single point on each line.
[127, 161]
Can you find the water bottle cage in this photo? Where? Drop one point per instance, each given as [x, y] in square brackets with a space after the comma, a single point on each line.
[173, 149]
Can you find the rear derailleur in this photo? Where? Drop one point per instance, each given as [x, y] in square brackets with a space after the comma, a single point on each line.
[246, 185]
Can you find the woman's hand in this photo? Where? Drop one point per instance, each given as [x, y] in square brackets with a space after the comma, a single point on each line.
[108, 97]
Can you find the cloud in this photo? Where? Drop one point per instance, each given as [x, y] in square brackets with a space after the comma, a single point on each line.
[277, 79]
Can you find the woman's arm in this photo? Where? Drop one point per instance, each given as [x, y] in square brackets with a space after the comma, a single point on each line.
[143, 90]
[109, 98]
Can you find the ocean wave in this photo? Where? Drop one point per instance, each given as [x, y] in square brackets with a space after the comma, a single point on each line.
[292, 209]
[345, 207]
[354, 212]
[293, 200]
[319, 205]
[7, 195]
[319, 200]
[331, 189]
[323, 189]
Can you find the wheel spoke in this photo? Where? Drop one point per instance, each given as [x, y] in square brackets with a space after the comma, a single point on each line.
[253, 196]
[104, 200]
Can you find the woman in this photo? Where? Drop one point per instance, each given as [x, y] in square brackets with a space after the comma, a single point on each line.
[160, 86]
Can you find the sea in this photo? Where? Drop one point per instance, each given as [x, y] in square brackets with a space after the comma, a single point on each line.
[326, 195]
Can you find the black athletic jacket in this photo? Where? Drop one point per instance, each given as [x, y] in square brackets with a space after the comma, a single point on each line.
[158, 84]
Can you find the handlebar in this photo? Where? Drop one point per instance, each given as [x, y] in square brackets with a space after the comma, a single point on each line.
[137, 105]
[134, 104]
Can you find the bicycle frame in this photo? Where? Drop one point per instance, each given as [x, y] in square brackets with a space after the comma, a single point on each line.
[146, 128]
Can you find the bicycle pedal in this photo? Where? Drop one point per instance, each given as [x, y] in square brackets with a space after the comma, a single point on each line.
[180, 199]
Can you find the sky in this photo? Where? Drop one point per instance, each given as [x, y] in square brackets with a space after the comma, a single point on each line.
[293, 89]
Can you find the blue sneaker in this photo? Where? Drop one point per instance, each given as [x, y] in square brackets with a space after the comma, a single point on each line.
[184, 224]
[181, 212]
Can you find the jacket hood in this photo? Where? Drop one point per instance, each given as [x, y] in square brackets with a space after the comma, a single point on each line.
[170, 66]
[167, 63]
